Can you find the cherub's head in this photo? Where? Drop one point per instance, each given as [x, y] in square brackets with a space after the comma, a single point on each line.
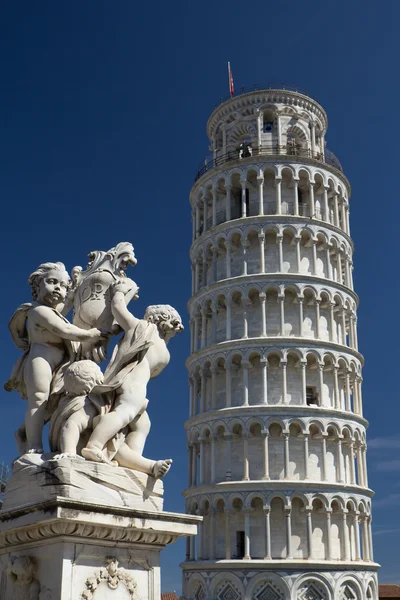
[81, 377]
[166, 318]
[22, 570]
[50, 283]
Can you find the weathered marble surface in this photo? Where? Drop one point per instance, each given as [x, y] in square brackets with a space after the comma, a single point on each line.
[42, 478]
[82, 550]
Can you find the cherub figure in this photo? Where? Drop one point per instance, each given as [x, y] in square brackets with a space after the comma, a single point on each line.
[47, 339]
[78, 410]
[21, 572]
[140, 356]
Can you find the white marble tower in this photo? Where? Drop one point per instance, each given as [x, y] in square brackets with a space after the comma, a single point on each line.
[276, 433]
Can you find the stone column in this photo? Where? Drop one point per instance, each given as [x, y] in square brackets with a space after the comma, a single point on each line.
[328, 534]
[245, 457]
[336, 386]
[371, 547]
[340, 459]
[245, 246]
[312, 202]
[326, 205]
[264, 368]
[203, 327]
[228, 513]
[193, 225]
[286, 436]
[247, 551]
[245, 304]
[297, 239]
[194, 465]
[314, 255]
[339, 267]
[303, 364]
[243, 184]
[228, 385]
[197, 275]
[281, 300]
[352, 470]
[203, 390]
[211, 553]
[300, 300]
[213, 462]
[214, 321]
[329, 261]
[268, 556]
[279, 240]
[357, 536]
[265, 434]
[278, 184]
[317, 318]
[261, 238]
[284, 382]
[336, 210]
[213, 370]
[260, 182]
[288, 512]
[332, 336]
[228, 247]
[202, 462]
[205, 213]
[200, 553]
[296, 196]
[364, 462]
[245, 369]
[312, 129]
[259, 114]
[346, 541]
[263, 298]
[214, 207]
[228, 455]
[197, 220]
[306, 454]
[228, 303]
[214, 264]
[324, 466]
[309, 531]
[321, 383]
[348, 392]
[228, 189]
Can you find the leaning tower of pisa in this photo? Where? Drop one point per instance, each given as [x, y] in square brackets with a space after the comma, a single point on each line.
[276, 433]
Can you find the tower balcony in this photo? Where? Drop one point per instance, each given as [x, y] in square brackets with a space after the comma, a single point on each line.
[274, 151]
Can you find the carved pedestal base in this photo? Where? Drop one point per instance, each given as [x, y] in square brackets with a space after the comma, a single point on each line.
[66, 549]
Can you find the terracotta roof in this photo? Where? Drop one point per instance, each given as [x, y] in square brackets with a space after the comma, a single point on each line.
[169, 596]
[385, 591]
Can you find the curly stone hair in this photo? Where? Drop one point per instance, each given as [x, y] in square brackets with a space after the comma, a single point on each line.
[36, 277]
[82, 376]
[164, 316]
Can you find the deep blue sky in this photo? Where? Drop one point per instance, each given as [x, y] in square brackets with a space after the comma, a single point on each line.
[103, 107]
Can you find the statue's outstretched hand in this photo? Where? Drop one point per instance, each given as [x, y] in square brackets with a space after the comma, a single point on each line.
[127, 287]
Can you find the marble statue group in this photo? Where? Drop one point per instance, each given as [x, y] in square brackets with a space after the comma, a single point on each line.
[95, 415]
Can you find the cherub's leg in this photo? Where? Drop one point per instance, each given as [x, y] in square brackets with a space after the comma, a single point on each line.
[38, 376]
[129, 404]
[130, 453]
[140, 428]
[76, 424]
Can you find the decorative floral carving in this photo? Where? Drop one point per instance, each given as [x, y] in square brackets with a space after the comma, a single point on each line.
[113, 576]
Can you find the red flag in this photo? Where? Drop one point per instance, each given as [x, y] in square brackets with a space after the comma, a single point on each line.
[231, 86]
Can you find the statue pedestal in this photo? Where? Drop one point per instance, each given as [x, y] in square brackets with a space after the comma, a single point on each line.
[81, 549]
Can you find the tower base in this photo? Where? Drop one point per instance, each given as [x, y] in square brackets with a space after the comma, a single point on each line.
[279, 580]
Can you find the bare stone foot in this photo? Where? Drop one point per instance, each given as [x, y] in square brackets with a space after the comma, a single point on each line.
[95, 454]
[161, 468]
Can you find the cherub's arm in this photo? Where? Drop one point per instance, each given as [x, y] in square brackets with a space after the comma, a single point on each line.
[120, 312]
[48, 319]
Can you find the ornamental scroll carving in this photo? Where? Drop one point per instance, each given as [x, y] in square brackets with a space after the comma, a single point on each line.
[112, 576]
